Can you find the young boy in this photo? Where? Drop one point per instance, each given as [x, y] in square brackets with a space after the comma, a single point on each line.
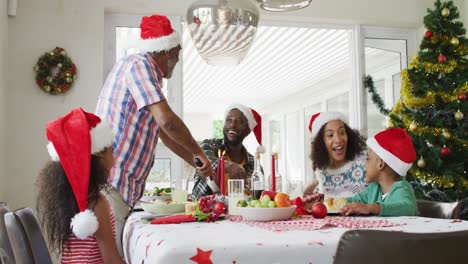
[390, 155]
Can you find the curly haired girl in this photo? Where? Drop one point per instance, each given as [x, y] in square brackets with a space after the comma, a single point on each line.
[75, 214]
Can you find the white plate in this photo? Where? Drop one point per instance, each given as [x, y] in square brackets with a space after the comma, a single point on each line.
[161, 208]
[266, 214]
[151, 198]
[333, 212]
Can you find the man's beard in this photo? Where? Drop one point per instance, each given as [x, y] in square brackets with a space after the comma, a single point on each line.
[236, 142]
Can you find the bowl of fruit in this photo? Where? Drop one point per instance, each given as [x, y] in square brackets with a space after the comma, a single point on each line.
[271, 206]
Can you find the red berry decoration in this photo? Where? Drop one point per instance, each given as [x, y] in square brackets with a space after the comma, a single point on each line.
[442, 58]
[445, 151]
[462, 96]
[429, 34]
[319, 210]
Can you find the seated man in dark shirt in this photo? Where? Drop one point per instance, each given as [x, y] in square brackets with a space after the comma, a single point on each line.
[239, 164]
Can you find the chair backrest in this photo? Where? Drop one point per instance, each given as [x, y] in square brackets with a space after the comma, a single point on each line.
[377, 246]
[33, 232]
[6, 253]
[18, 239]
[439, 209]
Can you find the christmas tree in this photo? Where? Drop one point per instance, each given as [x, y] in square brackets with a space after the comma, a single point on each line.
[433, 107]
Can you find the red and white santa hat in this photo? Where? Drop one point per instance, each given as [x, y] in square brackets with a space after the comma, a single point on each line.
[395, 147]
[318, 120]
[72, 139]
[157, 34]
[254, 119]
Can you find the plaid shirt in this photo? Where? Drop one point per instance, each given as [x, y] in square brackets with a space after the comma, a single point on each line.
[211, 147]
[134, 83]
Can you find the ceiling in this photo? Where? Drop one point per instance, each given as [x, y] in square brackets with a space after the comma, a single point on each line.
[282, 61]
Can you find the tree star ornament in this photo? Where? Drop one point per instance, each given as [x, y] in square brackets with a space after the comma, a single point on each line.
[421, 163]
[445, 12]
[458, 115]
[202, 257]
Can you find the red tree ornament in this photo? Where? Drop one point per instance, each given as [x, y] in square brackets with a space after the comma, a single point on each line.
[442, 58]
[462, 96]
[445, 151]
[429, 34]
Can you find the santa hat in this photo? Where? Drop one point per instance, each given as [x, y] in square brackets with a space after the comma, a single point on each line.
[254, 119]
[72, 139]
[318, 120]
[395, 147]
[157, 34]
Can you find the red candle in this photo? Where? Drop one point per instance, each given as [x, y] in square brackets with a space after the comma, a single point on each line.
[273, 172]
[222, 180]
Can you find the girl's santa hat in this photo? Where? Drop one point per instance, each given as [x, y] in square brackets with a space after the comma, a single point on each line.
[318, 120]
[157, 34]
[395, 147]
[72, 139]
[254, 119]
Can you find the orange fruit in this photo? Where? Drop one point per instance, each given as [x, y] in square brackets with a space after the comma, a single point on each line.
[282, 200]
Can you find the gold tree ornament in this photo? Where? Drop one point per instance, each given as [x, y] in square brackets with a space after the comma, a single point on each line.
[413, 126]
[445, 12]
[446, 134]
[454, 41]
[421, 163]
[458, 115]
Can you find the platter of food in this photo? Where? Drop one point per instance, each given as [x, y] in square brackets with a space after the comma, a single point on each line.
[266, 214]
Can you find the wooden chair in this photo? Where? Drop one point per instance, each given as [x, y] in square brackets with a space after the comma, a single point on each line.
[439, 209]
[6, 253]
[377, 246]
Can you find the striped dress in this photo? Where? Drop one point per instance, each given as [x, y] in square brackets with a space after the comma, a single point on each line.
[84, 251]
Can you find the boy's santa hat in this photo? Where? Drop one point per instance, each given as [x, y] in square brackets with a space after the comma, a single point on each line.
[157, 34]
[318, 120]
[72, 139]
[395, 147]
[254, 119]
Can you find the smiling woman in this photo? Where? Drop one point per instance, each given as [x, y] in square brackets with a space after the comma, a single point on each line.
[338, 156]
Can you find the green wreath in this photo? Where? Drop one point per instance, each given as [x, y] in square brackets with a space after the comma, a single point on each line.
[55, 71]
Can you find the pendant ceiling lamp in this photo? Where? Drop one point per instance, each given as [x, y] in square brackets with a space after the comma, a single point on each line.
[223, 30]
[283, 5]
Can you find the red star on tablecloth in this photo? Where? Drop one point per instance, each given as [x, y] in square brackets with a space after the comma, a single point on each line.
[202, 257]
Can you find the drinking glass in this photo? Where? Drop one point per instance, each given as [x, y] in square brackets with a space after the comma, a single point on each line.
[235, 194]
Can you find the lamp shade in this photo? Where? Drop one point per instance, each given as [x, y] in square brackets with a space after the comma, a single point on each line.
[283, 5]
[223, 30]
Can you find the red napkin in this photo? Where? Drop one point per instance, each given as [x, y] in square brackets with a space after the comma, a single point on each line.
[300, 210]
[173, 219]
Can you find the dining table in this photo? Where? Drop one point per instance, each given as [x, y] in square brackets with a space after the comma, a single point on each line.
[234, 240]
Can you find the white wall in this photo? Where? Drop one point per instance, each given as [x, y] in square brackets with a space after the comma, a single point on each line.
[3, 41]
[38, 27]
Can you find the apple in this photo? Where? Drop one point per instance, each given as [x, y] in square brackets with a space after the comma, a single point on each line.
[219, 208]
[319, 210]
[272, 194]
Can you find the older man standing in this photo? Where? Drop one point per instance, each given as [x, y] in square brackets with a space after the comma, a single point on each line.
[134, 105]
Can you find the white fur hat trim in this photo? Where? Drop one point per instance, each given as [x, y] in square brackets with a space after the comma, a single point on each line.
[160, 44]
[84, 224]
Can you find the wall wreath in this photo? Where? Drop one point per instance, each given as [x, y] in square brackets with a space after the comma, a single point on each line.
[55, 71]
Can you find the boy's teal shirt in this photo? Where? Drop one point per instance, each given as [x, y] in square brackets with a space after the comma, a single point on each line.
[400, 200]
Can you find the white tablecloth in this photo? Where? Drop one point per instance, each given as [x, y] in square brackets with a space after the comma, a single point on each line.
[232, 242]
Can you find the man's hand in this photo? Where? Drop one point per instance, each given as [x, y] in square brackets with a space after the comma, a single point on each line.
[205, 170]
[235, 170]
[360, 208]
[310, 189]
